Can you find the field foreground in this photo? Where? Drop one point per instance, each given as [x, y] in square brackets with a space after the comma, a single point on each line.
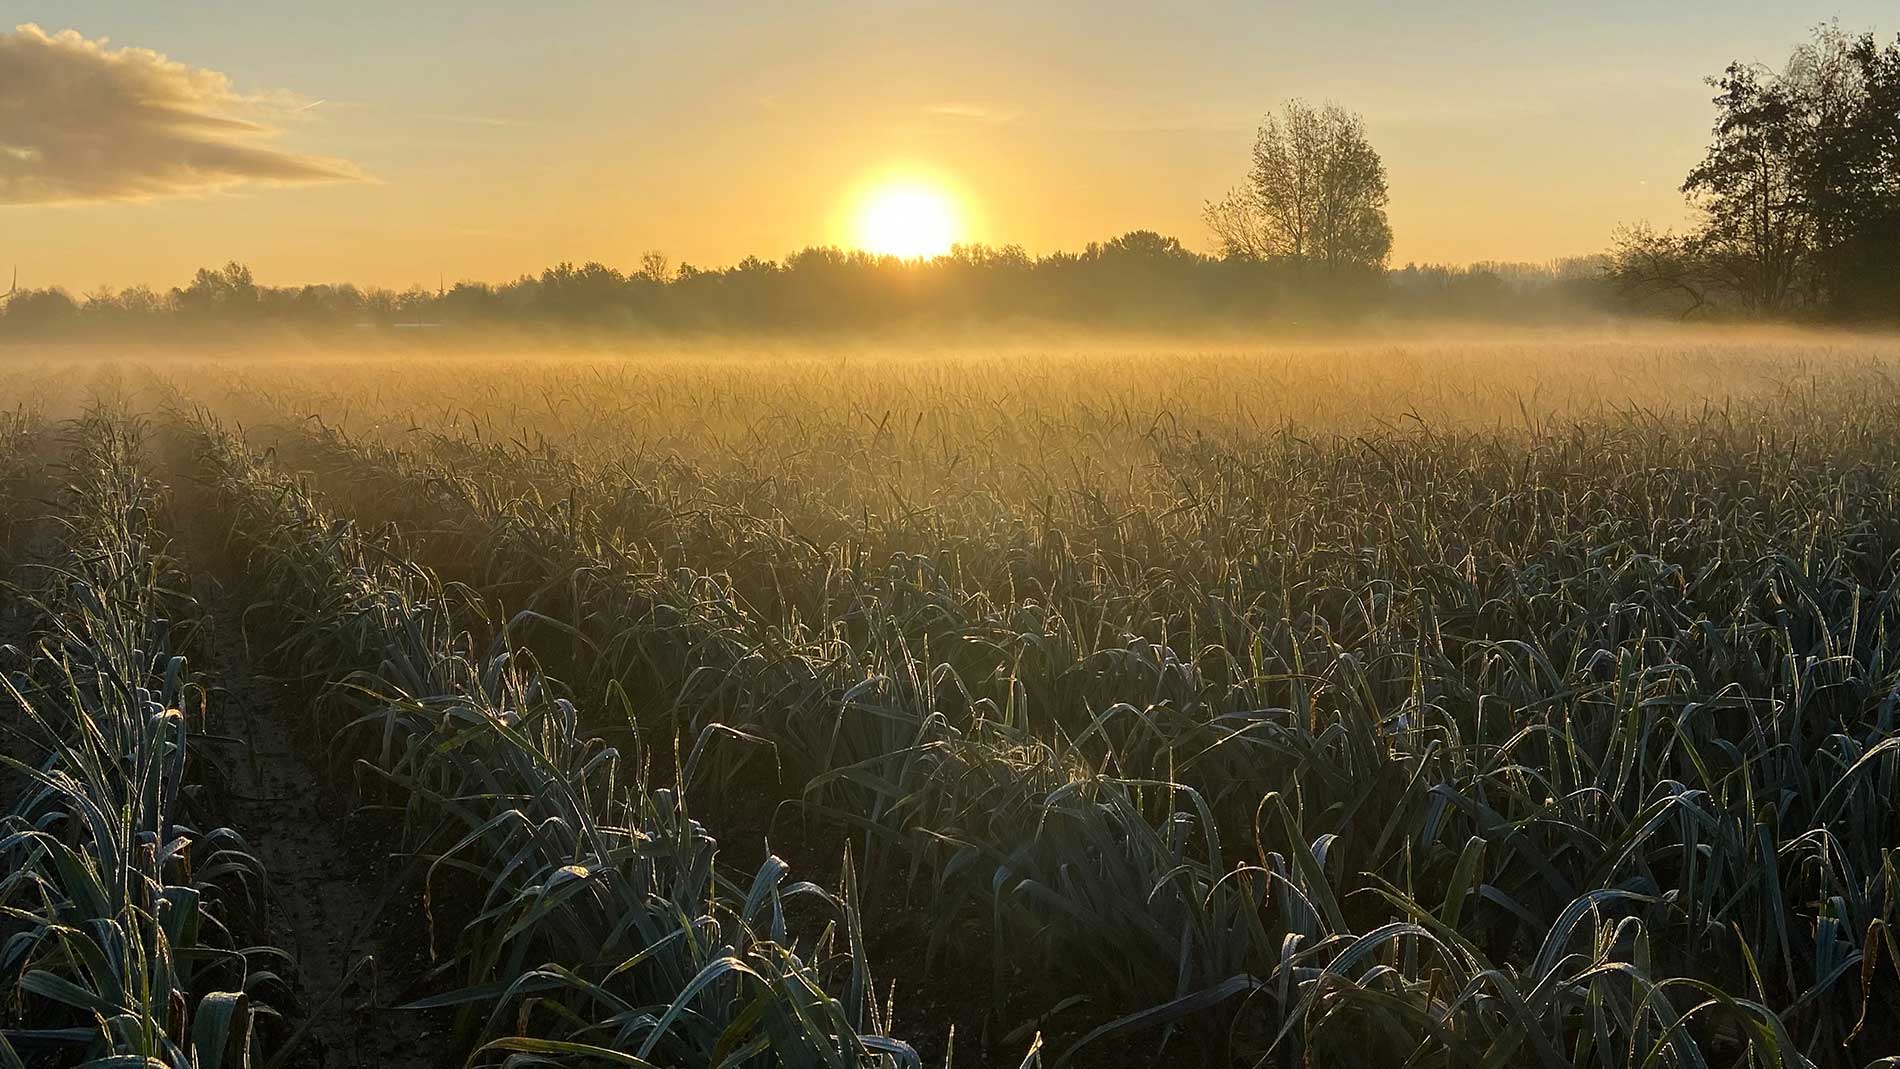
[1511, 702]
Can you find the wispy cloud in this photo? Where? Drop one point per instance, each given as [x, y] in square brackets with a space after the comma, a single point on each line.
[83, 121]
[385, 114]
[468, 120]
[1170, 124]
[973, 112]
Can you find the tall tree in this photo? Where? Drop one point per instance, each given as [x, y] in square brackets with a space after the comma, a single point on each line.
[1316, 193]
[1800, 189]
[1757, 232]
[1850, 172]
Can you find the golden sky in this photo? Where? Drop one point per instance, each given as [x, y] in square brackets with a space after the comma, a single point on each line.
[348, 141]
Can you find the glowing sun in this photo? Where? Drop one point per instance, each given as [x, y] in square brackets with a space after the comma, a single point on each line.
[910, 220]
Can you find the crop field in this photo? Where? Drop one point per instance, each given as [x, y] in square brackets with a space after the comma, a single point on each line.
[1494, 701]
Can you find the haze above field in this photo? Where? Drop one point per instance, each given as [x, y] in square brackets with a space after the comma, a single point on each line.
[886, 536]
[479, 140]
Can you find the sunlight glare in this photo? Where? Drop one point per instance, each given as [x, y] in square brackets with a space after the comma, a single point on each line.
[911, 220]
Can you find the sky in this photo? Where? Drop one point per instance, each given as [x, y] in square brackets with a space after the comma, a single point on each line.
[399, 144]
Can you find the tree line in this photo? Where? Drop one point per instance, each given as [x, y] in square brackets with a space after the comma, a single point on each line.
[1797, 203]
[1798, 196]
[1140, 280]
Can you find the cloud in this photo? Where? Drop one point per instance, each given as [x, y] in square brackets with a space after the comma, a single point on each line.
[973, 112]
[80, 121]
[467, 120]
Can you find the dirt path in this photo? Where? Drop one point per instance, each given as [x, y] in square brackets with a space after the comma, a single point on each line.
[29, 544]
[331, 892]
[341, 907]
[349, 959]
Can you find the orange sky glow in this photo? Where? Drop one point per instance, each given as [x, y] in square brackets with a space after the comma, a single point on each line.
[481, 140]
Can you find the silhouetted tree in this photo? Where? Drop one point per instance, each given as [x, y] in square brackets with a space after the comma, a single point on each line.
[1756, 230]
[1139, 280]
[1849, 170]
[1659, 271]
[1799, 190]
[226, 291]
[655, 267]
[33, 312]
[1316, 194]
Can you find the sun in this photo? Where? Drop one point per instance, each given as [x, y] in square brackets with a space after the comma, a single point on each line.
[909, 219]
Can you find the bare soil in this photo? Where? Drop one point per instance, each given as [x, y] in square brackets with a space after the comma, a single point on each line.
[29, 542]
[340, 903]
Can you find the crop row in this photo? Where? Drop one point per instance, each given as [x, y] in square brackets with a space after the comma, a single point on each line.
[576, 906]
[126, 934]
[1578, 747]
